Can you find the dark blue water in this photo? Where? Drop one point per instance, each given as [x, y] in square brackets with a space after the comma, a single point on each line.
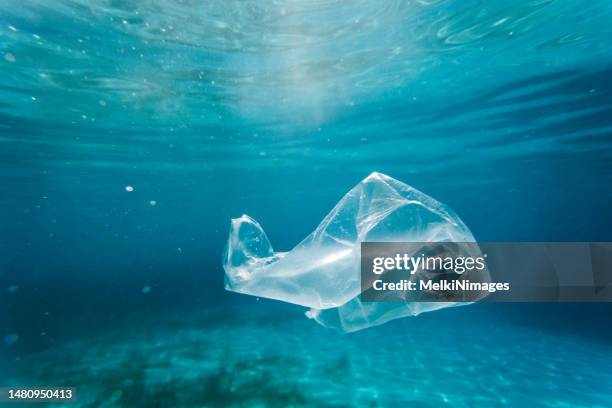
[501, 110]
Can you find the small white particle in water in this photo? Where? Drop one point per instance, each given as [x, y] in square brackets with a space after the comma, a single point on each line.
[36, 36]
[153, 203]
[33, 98]
[12, 288]
[9, 57]
[146, 289]
[263, 154]
[12, 28]
[129, 189]
[101, 102]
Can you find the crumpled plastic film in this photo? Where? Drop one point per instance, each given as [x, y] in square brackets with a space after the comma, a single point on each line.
[323, 271]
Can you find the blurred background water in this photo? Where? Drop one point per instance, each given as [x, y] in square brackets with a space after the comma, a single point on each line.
[207, 110]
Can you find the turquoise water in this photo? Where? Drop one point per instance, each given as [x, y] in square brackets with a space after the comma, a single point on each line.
[209, 110]
[245, 357]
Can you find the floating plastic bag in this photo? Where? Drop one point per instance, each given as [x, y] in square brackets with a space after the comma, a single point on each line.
[323, 271]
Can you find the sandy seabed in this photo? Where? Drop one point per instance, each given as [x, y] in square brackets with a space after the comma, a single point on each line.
[254, 356]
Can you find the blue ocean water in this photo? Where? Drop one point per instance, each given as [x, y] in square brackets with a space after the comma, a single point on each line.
[207, 110]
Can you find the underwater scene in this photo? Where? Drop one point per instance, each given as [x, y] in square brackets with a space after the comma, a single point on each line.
[132, 133]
